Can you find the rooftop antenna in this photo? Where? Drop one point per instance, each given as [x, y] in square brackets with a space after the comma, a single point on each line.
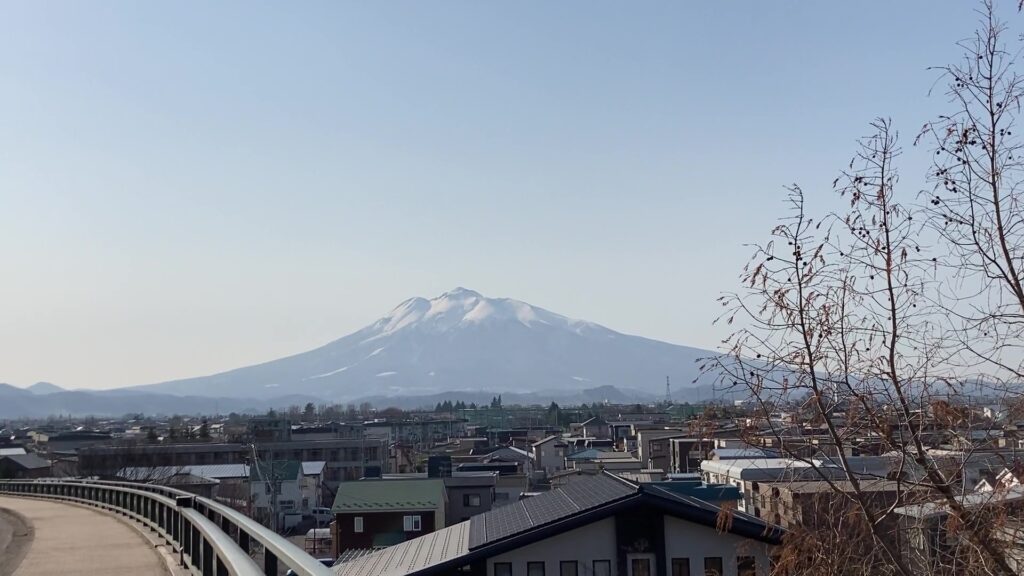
[668, 391]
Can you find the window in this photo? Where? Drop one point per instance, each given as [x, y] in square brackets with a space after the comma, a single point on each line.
[502, 569]
[602, 568]
[568, 568]
[713, 566]
[746, 566]
[412, 523]
[680, 567]
[470, 499]
[357, 524]
[640, 566]
[534, 569]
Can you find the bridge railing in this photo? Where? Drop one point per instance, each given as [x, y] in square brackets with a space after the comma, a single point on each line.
[208, 538]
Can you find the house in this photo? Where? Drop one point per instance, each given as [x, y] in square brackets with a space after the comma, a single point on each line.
[376, 513]
[469, 494]
[1009, 477]
[283, 477]
[686, 454]
[193, 484]
[653, 447]
[746, 473]
[23, 466]
[595, 427]
[599, 525]
[312, 484]
[466, 493]
[930, 540]
[511, 454]
[594, 459]
[549, 454]
[817, 504]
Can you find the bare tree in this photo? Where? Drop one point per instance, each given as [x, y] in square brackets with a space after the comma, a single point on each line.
[871, 322]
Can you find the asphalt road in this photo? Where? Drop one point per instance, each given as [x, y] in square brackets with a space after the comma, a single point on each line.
[69, 540]
[15, 539]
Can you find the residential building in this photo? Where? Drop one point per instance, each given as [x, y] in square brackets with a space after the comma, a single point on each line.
[377, 513]
[549, 454]
[600, 525]
[595, 427]
[22, 466]
[276, 484]
[469, 494]
[686, 454]
[346, 459]
[594, 459]
[417, 433]
[653, 448]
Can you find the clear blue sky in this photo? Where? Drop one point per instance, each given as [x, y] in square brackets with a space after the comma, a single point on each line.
[187, 187]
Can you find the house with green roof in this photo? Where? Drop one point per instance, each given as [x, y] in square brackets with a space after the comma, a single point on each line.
[378, 513]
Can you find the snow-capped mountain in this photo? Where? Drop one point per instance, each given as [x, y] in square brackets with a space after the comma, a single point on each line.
[460, 341]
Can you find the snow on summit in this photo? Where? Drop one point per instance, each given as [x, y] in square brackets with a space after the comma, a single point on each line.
[459, 340]
[461, 307]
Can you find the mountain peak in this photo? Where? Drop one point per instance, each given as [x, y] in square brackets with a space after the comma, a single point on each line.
[44, 388]
[460, 340]
[460, 292]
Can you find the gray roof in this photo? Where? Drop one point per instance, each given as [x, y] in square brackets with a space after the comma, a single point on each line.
[412, 555]
[446, 549]
[214, 471]
[12, 451]
[543, 440]
[972, 500]
[313, 468]
[27, 461]
[531, 512]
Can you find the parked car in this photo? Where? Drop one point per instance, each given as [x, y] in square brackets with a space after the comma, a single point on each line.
[321, 516]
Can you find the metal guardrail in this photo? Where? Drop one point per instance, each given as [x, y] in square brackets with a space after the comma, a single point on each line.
[209, 539]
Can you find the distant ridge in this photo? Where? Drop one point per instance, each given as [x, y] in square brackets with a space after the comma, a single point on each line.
[44, 388]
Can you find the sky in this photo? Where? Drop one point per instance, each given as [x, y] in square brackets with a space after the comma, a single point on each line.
[191, 187]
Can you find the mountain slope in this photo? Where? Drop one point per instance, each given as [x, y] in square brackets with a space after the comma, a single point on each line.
[459, 341]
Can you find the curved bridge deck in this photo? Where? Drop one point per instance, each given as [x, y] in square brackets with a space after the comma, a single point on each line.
[69, 540]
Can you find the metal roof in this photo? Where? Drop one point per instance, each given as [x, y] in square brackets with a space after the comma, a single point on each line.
[214, 471]
[413, 555]
[12, 451]
[539, 510]
[27, 461]
[534, 518]
[969, 501]
[389, 495]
